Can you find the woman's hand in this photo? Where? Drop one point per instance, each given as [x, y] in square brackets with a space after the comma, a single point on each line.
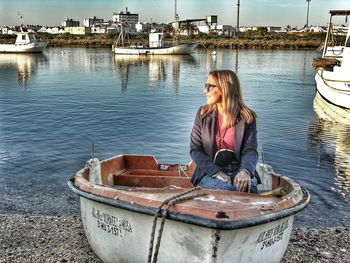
[223, 177]
[243, 181]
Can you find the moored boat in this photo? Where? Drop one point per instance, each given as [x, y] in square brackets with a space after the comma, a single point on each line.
[25, 43]
[122, 197]
[155, 47]
[333, 80]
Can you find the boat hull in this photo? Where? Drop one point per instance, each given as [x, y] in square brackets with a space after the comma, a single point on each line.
[335, 91]
[330, 112]
[25, 48]
[181, 49]
[119, 235]
[120, 197]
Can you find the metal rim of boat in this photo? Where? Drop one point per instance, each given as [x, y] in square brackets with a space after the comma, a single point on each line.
[209, 223]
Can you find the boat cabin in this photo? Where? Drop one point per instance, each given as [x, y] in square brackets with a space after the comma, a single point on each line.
[24, 38]
[156, 39]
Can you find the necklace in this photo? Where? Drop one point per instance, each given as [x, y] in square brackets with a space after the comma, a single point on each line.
[221, 141]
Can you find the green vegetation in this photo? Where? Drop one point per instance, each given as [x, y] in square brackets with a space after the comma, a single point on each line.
[258, 39]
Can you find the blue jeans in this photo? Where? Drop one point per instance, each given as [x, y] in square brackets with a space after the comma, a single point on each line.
[215, 183]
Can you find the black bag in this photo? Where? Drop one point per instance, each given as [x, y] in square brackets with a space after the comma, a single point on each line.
[226, 159]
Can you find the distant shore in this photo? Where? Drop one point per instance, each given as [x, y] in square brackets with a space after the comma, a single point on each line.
[232, 43]
[62, 239]
[268, 41]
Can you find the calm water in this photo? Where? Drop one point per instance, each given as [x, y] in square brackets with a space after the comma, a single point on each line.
[53, 105]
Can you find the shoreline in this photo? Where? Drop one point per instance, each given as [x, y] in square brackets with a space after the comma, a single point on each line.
[38, 238]
[270, 41]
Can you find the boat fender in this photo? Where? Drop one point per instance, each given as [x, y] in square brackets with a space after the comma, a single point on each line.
[95, 171]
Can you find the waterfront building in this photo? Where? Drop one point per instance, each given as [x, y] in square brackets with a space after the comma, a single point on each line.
[6, 30]
[139, 27]
[318, 29]
[97, 29]
[69, 22]
[77, 30]
[126, 18]
[274, 28]
[54, 30]
[92, 21]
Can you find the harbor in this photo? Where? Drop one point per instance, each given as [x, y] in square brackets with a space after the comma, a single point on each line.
[44, 111]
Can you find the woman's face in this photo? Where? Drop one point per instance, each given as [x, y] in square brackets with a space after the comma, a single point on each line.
[212, 92]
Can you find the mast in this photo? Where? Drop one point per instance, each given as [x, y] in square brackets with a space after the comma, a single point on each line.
[327, 36]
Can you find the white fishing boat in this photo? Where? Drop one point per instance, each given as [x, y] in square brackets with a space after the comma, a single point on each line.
[333, 80]
[25, 43]
[135, 209]
[330, 112]
[155, 47]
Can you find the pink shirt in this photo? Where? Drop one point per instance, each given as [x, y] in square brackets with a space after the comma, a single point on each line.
[224, 138]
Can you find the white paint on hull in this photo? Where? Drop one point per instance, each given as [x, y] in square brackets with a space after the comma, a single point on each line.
[335, 92]
[119, 235]
[330, 112]
[25, 48]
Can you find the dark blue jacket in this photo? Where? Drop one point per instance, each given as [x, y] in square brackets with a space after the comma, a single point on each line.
[202, 146]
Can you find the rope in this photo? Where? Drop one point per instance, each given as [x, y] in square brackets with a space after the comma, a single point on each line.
[165, 205]
[181, 169]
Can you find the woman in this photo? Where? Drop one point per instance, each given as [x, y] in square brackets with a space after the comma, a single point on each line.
[225, 122]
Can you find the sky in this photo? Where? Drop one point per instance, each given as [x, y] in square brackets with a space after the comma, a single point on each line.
[252, 12]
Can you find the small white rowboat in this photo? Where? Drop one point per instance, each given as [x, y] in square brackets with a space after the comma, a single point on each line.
[137, 210]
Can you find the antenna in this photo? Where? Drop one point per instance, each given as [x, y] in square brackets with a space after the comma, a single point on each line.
[20, 15]
[93, 149]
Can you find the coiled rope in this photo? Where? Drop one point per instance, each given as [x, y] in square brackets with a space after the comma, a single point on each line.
[163, 211]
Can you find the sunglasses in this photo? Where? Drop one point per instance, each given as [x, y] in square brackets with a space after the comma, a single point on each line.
[208, 87]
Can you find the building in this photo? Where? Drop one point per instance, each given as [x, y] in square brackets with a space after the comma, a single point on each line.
[6, 31]
[70, 22]
[274, 29]
[77, 30]
[318, 29]
[126, 19]
[52, 30]
[92, 21]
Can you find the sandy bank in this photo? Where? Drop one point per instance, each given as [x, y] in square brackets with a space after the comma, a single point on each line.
[62, 239]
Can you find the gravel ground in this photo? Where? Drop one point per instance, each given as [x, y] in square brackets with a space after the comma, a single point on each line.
[62, 239]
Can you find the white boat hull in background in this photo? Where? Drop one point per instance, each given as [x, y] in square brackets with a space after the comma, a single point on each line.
[337, 93]
[180, 49]
[26, 48]
[333, 83]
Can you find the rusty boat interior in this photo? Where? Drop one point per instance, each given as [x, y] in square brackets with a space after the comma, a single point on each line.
[141, 184]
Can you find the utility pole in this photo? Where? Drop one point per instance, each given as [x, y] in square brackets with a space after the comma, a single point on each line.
[176, 25]
[307, 15]
[238, 4]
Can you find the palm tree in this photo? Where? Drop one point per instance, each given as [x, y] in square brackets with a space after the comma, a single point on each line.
[188, 27]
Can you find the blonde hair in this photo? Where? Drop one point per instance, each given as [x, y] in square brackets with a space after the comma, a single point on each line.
[232, 100]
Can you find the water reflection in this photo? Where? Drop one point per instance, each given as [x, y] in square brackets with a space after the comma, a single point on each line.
[158, 67]
[25, 64]
[332, 137]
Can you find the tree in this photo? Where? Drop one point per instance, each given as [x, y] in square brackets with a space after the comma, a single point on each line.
[188, 27]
